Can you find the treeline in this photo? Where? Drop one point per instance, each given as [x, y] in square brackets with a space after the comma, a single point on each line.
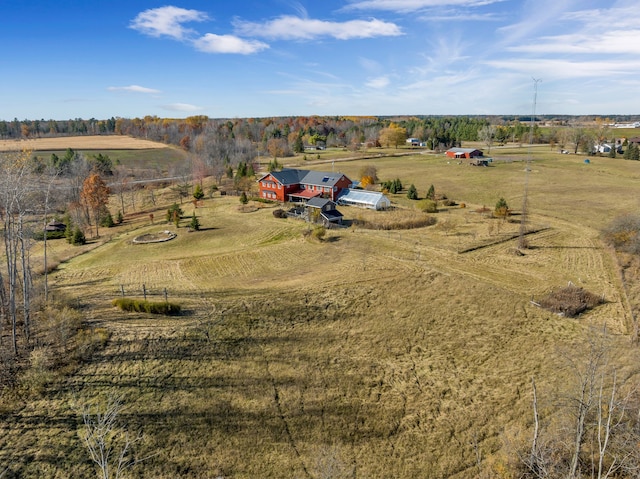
[297, 132]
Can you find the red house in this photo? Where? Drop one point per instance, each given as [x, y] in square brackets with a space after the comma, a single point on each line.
[463, 153]
[300, 185]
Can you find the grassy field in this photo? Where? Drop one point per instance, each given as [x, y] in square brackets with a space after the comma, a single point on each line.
[96, 142]
[370, 354]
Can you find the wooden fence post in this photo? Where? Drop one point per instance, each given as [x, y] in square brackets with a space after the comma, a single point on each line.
[165, 296]
[144, 291]
[122, 290]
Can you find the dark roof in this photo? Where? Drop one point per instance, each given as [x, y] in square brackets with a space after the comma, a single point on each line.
[318, 202]
[321, 178]
[331, 215]
[290, 176]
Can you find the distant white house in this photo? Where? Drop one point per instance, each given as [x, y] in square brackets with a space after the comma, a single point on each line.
[415, 142]
[363, 199]
[603, 148]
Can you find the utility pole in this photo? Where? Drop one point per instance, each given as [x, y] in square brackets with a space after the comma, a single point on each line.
[522, 242]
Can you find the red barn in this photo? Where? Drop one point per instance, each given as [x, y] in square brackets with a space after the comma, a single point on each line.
[300, 185]
[463, 153]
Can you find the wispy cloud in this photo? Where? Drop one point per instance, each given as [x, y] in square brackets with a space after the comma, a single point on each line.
[565, 69]
[211, 43]
[182, 107]
[404, 6]
[133, 88]
[289, 27]
[167, 21]
[379, 82]
[610, 42]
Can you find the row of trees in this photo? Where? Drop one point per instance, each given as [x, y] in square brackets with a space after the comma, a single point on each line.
[29, 197]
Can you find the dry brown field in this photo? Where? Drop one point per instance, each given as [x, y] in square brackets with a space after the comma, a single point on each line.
[96, 142]
[369, 354]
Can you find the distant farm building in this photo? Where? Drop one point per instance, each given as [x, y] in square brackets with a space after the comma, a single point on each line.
[55, 226]
[301, 185]
[463, 153]
[363, 199]
[414, 142]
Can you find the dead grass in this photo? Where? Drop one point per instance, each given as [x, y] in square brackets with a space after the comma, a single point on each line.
[374, 353]
[113, 142]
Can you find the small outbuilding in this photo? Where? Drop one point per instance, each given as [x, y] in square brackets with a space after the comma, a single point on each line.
[325, 208]
[463, 153]
[363, 199]
[55, 226]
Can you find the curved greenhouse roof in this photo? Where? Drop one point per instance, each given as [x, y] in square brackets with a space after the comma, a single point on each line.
[364, 199]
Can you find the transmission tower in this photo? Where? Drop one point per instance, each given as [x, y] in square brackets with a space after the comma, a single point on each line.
[522, 242]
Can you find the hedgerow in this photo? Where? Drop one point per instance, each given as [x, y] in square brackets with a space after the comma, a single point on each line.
[138, 306]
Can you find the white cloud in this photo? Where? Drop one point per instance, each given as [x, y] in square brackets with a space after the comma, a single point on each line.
[133, 88]
[166, 21]
[415, 5]
[379, 82]
[610, 42]
[212, 43]
[290, 27]
[566, 69]
[183, 107]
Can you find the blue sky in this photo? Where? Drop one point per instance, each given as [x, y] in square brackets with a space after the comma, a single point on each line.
[257, 58]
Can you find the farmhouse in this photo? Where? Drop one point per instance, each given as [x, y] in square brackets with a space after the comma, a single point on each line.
[363, 199]
[301, 185]
[463, 153]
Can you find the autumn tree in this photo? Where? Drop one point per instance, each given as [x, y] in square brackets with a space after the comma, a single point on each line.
[94, 197]
[393, 135]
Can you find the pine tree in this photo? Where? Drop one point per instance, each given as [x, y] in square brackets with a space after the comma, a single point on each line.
[195, 223]
[431, 194]
[198, 194]
[412, 193]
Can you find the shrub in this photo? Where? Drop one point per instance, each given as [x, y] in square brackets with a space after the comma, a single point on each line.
[428, 206]
[243, 198]
[279, 213]
[39, 235]
[570, 301]
[623, 233]
[138, 306]
[319, 232]
[448, 202]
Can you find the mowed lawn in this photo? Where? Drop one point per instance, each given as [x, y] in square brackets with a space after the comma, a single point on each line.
[369, 354]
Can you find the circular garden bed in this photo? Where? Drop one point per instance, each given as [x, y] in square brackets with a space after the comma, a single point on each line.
[154, 237]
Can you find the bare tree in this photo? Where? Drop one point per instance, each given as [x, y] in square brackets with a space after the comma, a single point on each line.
[110, 447]
[487, 134]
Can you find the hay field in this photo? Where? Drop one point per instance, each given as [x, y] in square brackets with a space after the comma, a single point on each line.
[371, 354]
[95, 142]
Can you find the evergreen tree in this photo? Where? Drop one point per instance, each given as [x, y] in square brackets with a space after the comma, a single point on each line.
[412, 192]
[198, 194]
[502, 208]
[243, 198]
[195, 223]
[431, 194]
